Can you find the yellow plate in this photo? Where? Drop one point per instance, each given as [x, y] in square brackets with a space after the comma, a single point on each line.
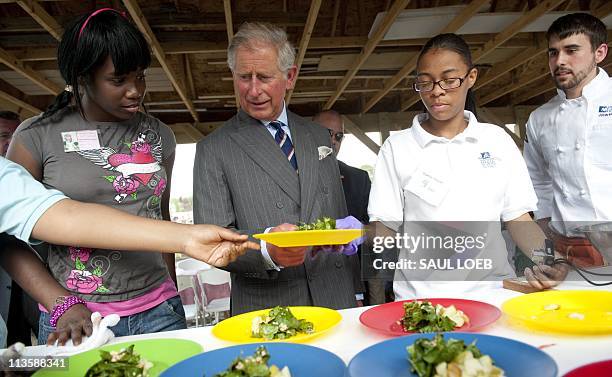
[578, 312]
[310, 237]
[238, 329]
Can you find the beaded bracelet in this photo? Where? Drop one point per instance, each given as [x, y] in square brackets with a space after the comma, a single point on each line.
[60, 309]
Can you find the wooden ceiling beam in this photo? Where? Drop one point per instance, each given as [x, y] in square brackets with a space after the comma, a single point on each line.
[500, 69]
[527, 18]
[315, 5]
[396, 9]
[34, 9]
[354, 129]
[16, 101]
[136, 13]
[227, 8]
[16, 65]
[526, 79]
[456, 23]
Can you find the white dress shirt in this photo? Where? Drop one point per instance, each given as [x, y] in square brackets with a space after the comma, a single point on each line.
[479, 175]
[569, 156]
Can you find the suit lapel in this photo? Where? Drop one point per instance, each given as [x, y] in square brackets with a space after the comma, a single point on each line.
[258, 143]
[306, 153]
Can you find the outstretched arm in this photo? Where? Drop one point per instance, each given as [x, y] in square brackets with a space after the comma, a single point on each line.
[69, 222]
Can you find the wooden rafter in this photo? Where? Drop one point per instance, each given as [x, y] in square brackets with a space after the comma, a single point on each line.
[396, 9]
[229, 26]
[354, 129]
[504, 67]
[526, 79]
[42, 17]
[17, 65]
[514, 28]
[316, 43]
[460, 20]
[315, 5]
[335, 17]
[6, 96]
[501, 37]
[189, 77]
[134, 9]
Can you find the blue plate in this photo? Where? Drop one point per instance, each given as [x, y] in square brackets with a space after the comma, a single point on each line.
[301, 359]
[390, 358]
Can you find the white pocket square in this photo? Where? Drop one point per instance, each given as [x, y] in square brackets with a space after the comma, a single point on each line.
[324, 151]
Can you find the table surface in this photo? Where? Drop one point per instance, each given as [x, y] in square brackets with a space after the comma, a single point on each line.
[350, 336]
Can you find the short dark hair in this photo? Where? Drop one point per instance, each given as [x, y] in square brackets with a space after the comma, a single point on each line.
[85, 46]
[9, 115]
[579, 23]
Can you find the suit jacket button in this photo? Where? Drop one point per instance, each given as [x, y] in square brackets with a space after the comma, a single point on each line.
[279, 205]
[338, 264]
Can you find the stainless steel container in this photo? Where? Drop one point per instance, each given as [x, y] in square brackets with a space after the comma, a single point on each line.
[600, 235]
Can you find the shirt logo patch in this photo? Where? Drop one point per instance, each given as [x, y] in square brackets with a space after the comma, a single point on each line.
[605, 111]
[486, 160]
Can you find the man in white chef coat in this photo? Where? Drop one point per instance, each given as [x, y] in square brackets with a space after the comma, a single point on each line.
[568, 148]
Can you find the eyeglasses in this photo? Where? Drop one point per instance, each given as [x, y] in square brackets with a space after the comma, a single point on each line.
[336, 135]
[445, 84]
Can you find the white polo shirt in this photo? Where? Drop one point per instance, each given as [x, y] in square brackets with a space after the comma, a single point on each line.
[569, 156]
[479, 175]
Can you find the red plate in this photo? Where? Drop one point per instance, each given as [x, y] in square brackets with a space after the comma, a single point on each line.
[598, 369]
[384, 318]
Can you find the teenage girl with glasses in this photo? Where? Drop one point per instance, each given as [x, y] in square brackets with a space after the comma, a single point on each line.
[450, 167]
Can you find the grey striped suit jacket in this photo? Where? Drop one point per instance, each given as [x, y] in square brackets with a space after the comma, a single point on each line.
[242, 180]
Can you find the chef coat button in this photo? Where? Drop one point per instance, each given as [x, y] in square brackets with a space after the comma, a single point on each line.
[559, 150]
[565, 194]
[578, 147]
[338, 264]
[325, 190]
[279, 205]
[582, 192]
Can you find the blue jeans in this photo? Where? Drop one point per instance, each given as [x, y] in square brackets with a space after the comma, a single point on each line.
[167, 316]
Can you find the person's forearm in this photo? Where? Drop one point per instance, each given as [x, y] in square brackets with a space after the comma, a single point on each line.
[527, 235]
[91, 225]
[29, 272]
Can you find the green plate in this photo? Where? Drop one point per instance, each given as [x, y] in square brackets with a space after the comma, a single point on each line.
[163, 353]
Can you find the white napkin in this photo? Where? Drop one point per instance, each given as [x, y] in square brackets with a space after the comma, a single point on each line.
[100, 335]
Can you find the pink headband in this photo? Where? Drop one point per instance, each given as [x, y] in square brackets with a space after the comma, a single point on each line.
[95, 13]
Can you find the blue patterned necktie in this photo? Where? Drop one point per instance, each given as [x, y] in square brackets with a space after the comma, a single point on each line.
[284, 142]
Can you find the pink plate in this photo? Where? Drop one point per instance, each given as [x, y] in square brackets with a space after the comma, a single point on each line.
[598, 369]
[384, 318]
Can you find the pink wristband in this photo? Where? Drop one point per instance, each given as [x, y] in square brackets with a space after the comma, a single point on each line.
[59, 310]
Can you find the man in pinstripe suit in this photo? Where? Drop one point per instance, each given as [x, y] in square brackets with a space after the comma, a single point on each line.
[263, 168]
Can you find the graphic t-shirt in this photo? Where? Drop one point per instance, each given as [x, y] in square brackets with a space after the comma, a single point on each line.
[119, 164]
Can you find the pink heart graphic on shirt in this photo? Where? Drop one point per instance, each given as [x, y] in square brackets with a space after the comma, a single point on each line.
[141, 154]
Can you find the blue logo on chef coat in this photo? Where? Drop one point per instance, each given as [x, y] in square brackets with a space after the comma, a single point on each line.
[486, 160]
[605, 111]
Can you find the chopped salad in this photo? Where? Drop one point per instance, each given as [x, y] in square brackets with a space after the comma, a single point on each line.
[324, 223]
[254, 366]
[123, 363]
[422, 316]
[279, 323]
[440, 358]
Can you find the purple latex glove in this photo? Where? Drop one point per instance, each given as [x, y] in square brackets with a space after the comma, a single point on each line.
[350, 248]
